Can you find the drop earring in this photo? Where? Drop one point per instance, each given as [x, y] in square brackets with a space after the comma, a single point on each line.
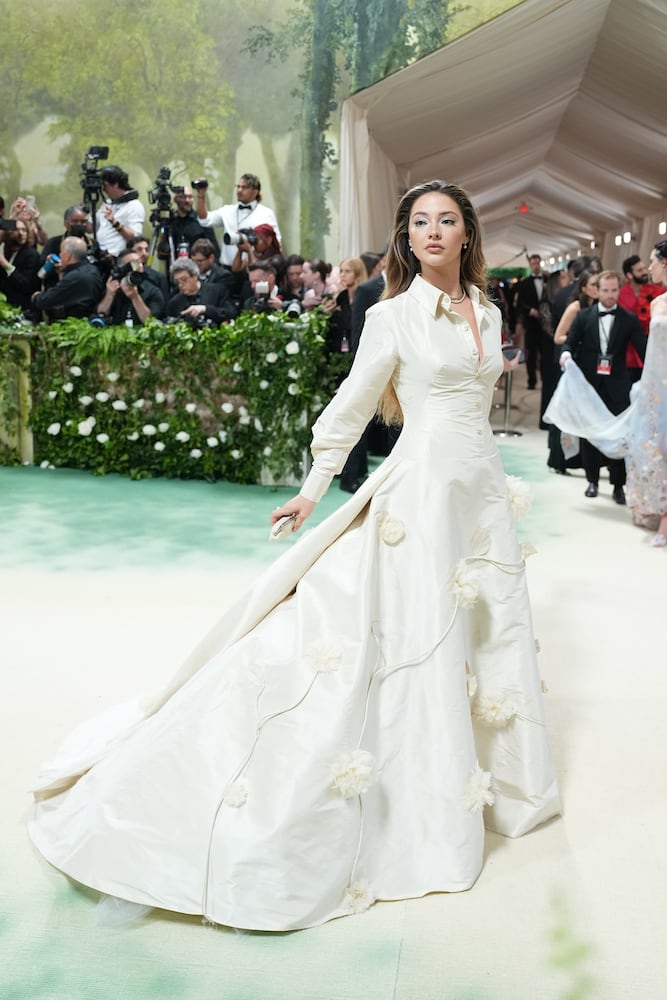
[410, 247]
[465, 246]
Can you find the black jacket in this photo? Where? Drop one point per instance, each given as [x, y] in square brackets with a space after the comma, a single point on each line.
[23, 281]
[219, 304]
[583, 343]
[76, 294]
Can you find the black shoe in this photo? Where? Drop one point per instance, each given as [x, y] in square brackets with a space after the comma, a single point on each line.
[562, 472]
[591, 490]
[619, 495]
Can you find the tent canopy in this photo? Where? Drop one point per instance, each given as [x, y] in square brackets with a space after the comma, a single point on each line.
[556, 105]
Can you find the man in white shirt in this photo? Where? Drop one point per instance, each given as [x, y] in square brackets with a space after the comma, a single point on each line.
[246, 213]
[122, 216]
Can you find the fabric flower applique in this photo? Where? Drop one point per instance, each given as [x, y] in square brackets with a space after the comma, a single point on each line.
[478, 793]
[358, 896]
[324, 655]
[236, 794]
[519, 494]
[392, 531]
[352, 773]
[465, 584]
[496, 712]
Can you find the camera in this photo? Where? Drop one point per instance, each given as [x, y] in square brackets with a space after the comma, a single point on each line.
[199, 185]
[7, 225]
[262, 290]
[243, 236]
[91, 174]
[78, 229]
[292, 308]
[127, 273]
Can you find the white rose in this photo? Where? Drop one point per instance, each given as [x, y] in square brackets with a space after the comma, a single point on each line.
[160, 397]
[68, 387]
[195, 453]
[258, 425]
[53, 429]
[44, 464]
[237, 367]
[138, 404]
[293, 389]
[148, 429]
[222, 435]
[235, 453]
[85, 428]
[292, 347]
[102, 397]
[183, 436]
[163, 427]
[134, 436]
[52, 395]
[245, 420]
[190, 407]
[272, 357]
[119, 404]
[267, 451]
[85, 400]
[159, 445]
[75, 370]
[212, 442]
[227, 407]
[102, 438]
[243, 410]
[113, 376]
[293, 373]
[264, 384]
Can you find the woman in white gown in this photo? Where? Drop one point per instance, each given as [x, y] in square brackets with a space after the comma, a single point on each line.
[346, 731]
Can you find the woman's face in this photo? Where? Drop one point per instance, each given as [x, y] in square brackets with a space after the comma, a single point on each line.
[657, 268]
[308, 275]
[591, 287]
[436, 231]
[347, 276]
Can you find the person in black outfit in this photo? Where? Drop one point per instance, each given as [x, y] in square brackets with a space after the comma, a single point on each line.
[79, 288]
[531, 292]
[598, 341]
[76, 224]
[196, 302]
[141, 247]
[185, 226]
[19, 264]
[131, 300]
[339, 333]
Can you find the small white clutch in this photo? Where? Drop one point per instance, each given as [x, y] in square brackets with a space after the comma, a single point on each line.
[283, 527]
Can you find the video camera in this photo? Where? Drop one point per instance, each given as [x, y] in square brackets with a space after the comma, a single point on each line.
[160, 196]
[91, 174]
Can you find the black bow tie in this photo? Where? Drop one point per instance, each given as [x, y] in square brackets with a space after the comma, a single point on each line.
[612, 312]
[244, 208]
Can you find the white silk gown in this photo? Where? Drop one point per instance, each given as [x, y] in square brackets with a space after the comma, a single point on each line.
[347, 730]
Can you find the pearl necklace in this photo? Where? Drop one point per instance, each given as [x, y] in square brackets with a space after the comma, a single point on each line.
[460, 298]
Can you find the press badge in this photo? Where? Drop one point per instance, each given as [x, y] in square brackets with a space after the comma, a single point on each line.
[604, 364]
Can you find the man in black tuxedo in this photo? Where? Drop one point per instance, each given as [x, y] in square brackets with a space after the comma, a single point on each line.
[365, 296]
[598, 342]
[530, 292]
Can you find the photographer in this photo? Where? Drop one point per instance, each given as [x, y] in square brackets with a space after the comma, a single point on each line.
[122, 216]
[76, 224]
[245, 213]
[129, 299]
[78, 289]
[185, 227]
[197, 303]
[253, 245]
[19, 264]
[265, 297]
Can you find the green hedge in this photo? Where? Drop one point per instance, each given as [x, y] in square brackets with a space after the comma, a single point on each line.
[234, 402]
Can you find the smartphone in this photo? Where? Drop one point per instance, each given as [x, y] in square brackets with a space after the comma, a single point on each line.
[510, 352]
[283, 527]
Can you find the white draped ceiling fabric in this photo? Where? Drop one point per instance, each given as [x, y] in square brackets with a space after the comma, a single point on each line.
[557, 105]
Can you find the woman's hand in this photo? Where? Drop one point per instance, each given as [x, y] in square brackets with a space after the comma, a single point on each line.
[297, 505]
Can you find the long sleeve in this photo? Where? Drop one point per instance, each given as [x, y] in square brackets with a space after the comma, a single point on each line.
[341, 424]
